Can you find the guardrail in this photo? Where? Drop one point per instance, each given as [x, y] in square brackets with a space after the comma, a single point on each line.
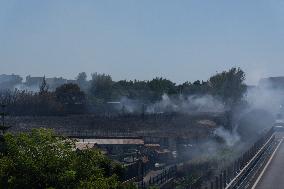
[241, 173]
[251, 176]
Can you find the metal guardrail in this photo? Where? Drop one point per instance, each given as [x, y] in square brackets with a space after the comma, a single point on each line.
[255, 166]
[252, 174]
[239, 179]
[242, 172]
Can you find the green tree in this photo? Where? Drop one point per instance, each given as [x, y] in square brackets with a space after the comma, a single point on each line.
[196, 88]
[70, 94]
[82, 77]
[229, 85]
[82, 80]
[71, 97]
[101, 86]
[41, 159]
[43, 88]
[160, 86]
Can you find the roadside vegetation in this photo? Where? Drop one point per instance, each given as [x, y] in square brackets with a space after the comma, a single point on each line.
[41, 159]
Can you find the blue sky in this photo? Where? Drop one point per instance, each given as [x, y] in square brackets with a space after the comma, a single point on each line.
[183, 40]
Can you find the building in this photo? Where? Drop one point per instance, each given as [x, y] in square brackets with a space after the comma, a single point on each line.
[112, 146]
[33, 81]
[272, 83]
[55, 82]
[10, 81]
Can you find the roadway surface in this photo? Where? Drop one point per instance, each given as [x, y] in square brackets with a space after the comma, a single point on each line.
[273, 175]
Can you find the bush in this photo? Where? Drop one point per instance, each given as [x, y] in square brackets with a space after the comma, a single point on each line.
[41, 159]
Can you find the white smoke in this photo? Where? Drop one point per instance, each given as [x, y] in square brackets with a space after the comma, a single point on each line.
[189, 104]
[205, 103]
[265, 97]
[129, 105]
[263, 103]
[164, 105]
[230, 138]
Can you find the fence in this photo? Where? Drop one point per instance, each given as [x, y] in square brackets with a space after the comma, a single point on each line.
[159, 179]
[239, 173]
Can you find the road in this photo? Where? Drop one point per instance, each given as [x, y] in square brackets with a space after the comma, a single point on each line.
[273, 175]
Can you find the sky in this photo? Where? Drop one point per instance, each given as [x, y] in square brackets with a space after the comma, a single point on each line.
[182, 40]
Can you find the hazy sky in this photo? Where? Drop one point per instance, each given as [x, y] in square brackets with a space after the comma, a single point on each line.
[177, 39]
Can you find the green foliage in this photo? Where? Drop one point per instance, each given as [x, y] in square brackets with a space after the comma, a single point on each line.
[196, 88]
[229, 85]
[138, 90]
[43, 89]
[70, 94]
[71, 98]
[186, 181]
[41, 159]
[162, 86]
[144, 90]
[82, 77]
[101, 86]
[82, 81]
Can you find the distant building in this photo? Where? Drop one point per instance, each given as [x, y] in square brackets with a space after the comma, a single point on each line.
[33, 81]
[272, 83]
[10, 81]
[55, 82]
[52, 83]
[111, 145]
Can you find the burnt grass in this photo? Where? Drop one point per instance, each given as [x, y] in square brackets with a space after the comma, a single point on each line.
[167, 125]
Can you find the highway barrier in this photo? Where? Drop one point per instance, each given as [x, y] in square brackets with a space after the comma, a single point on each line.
[243, 172]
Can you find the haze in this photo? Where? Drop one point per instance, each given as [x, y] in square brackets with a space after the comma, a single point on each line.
[180, 40]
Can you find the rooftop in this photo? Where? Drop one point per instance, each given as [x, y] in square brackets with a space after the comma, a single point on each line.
[111, 141]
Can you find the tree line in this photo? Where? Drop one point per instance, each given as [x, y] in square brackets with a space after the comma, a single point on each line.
[100, 93]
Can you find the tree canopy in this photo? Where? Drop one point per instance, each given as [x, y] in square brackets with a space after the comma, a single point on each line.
[229, 85]
[41, 159]
[95, 95]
